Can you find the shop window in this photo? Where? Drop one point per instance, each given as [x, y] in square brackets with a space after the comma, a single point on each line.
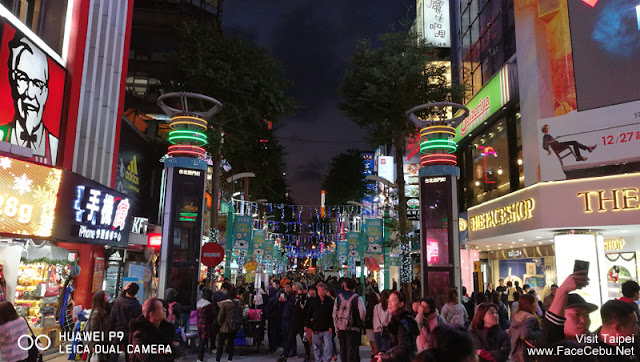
[489, 161]
[520, 157]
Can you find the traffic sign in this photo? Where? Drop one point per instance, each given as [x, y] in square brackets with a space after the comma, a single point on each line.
[212, 254]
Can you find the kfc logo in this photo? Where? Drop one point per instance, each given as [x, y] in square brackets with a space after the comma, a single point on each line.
[31, 96]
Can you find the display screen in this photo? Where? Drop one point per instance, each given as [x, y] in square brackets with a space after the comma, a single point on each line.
[605, 37]
[91, 212]
[435, 208]
[28, 195]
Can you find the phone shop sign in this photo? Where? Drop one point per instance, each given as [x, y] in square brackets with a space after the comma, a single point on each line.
[90, 212]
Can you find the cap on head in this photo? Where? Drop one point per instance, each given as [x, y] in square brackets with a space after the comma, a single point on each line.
[576, 300]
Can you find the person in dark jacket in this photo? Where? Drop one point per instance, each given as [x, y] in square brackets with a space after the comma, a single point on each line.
[227, 330]
[125, 309]
[218, 296]
[273, 316]
[286, 300]
[205, 322]
[503, 311]
[403, 331]
[99, 322]
[449, 343]
[152, 330]
[296, 323]
[492, 343]
[372, 301]
[319, 320]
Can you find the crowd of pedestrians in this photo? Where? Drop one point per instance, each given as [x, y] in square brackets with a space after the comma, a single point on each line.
[329, 318]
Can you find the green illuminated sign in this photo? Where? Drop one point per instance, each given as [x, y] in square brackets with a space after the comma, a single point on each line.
[486, 102]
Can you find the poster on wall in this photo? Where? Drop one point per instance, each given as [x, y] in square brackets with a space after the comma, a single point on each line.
[28, 197]
[31, 95]
[98, 275]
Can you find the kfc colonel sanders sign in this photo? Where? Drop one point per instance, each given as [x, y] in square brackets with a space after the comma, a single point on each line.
[31, 95]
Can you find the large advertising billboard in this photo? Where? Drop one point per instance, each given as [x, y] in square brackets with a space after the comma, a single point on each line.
[28, 196]
[31, 95]
[605, 38]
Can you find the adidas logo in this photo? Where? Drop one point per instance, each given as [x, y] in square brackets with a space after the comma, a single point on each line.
[132, 172]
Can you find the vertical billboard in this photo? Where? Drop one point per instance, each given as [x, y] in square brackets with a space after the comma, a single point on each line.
[373, 235]
[367, 169]
[31, 95]
[436, 26]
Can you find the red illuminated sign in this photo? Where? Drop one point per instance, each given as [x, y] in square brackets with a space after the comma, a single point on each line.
[28, 196]
[433, 256]
[31, 95]
[155, 239]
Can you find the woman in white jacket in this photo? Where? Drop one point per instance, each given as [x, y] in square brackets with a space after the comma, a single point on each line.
[381, 319]
[454, 312]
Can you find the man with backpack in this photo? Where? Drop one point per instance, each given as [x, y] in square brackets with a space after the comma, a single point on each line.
[348, 316]
[230, 320]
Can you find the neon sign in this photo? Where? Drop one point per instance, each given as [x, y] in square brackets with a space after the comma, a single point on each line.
[516, 212]
[433, 253]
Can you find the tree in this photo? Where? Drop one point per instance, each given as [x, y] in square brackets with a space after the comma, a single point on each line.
[249, 83]
[381, 84]
[344, 181]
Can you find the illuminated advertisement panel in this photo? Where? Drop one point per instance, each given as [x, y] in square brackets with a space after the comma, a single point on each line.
[605, 39]
[89, 212]
[31, 95]
[28, 194]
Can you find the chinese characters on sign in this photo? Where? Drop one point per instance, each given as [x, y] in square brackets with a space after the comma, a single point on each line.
[101, 216]
[90, 212]
[436, 23]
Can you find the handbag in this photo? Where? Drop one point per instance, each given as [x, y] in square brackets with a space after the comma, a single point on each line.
[52, 287]
[34, 352]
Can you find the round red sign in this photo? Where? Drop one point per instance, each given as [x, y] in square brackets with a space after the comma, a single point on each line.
[212, 254]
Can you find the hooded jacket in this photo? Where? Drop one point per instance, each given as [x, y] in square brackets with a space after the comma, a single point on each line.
[524, 330]
[144, 333]
[402, 337]
[124, 310]
[205, 319]
[225, 308]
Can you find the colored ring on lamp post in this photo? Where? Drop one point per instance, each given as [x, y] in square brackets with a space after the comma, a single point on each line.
[442, 130]
[438, 144]
[439, 158]
[189, 121]
[188, 136]
[176, 150]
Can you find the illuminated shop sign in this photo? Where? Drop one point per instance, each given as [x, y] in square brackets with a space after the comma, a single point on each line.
[485, 103]
[435, 180]
[90, 212]
[515, 253]
[27, 197]
[31, 95]
[613, 244]
[188, 172]
[518, 211]
[433, 252]
[622, 199]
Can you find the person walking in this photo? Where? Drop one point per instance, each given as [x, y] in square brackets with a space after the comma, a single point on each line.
[320, 322]
[286, 300]
[510, 290]
[152, 329]
[503, 291]
[402, 332]
[12, 328]
[381, 319]
[296, 326]
[205, 322]
[99, 323]
[218, 297]
[549, 298]
[372, 301]
[125, 309]
[525, 328]
[230, 321]
[273, 315]
[348, 316]
[427, 320]
[453, 312]
[492, 343]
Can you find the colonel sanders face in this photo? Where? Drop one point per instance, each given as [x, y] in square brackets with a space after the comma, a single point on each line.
[29, 77]
[241, 244]
[374, 248]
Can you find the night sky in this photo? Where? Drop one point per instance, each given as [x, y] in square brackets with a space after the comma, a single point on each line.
[312, 39]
